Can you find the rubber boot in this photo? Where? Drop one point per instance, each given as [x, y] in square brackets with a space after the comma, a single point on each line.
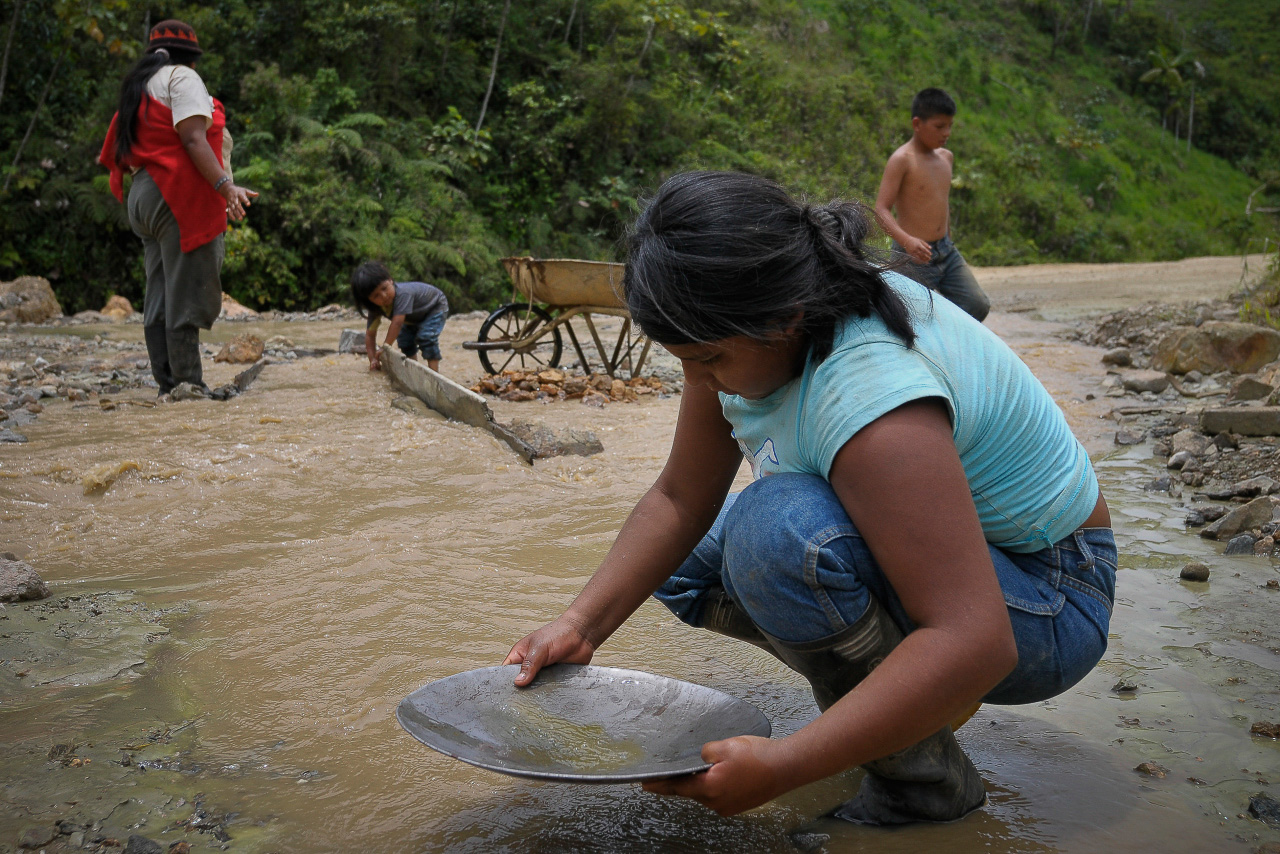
[184, 355]
[158, 353]
[929, 781]
[721, 615]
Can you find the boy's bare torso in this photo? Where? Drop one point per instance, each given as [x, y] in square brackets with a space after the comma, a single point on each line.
[922, 202]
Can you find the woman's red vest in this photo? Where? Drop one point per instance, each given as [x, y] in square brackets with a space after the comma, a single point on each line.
[201, 212]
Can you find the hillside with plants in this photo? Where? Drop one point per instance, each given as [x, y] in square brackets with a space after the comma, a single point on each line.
[440, 135]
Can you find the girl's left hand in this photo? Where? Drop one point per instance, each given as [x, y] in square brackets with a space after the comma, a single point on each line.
[744, 774]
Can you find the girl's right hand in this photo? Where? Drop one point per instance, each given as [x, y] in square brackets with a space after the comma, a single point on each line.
[561, 640]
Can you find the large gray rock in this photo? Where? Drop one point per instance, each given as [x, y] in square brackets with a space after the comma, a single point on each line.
[139, 844]
[1156, 381]
[352, 341]
[1120, 357]
[28, 299]
[1216, 346]
[1249, 387]
[1191, 441]
[19, 582]
[1194, 572]
[1254, 486]
[547, 442]
[1255, 514]
[1240, 545]
[1245, 420]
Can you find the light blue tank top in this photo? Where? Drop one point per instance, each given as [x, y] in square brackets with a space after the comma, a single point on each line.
[1030, 479]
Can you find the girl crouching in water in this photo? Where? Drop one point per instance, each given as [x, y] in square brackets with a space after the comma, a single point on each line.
[923, 533]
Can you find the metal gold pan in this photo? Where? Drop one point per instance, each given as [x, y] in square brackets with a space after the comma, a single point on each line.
[576, 723]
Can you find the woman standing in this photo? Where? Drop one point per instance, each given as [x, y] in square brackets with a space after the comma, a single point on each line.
[172, 137]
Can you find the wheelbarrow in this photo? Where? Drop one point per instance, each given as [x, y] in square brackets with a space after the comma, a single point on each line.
[525, 334]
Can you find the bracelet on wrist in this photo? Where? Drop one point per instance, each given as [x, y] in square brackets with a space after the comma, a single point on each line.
[218, 186]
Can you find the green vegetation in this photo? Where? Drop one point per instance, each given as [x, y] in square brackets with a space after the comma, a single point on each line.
[440, 135]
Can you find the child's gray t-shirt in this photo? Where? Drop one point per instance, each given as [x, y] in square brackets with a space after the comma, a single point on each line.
[416, 301]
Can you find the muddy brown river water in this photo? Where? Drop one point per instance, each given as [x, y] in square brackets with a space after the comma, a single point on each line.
[316, 555]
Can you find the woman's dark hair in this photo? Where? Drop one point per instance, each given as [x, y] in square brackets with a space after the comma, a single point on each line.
[364, 281]
[134, 86]
[719, 254]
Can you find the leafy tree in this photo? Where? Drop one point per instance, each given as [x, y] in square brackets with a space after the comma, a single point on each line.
[358, 122]
[1166, 73]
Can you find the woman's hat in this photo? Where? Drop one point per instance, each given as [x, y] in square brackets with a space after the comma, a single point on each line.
[175, 34]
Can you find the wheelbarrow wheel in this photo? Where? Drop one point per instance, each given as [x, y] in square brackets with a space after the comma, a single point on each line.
[515, 322]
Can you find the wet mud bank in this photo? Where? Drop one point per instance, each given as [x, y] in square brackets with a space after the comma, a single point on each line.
[276, 571]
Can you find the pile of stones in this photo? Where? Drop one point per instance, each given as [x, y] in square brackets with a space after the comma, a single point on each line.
[552, 384]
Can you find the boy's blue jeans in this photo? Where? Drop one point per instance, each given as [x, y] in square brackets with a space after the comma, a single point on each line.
[948, 274]
[424, 336]
[786, 552]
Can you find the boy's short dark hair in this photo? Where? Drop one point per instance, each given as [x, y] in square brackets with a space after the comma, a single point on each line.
[364, 280]
[932, 102]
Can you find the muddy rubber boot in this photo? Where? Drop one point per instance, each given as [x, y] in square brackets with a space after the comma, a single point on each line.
[158, 353]
[721, 615]
[184, 355]
[929, 781]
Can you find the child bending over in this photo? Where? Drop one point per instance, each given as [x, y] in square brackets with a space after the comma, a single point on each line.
[923, 532]
[417, 311]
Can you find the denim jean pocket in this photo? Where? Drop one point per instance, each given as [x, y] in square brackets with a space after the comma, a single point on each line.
[1030, 593]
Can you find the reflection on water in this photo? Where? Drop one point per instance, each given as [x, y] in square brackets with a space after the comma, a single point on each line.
[336, 554]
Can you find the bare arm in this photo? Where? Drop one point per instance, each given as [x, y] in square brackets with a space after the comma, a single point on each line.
[191, 131]
[933, 552]
[371, 344]
[886, 198]
[393, 329]
[658, 535]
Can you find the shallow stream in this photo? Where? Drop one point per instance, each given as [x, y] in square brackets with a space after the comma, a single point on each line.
[316, 555]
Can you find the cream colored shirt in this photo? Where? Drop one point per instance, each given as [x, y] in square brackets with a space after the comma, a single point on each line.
[180, 89]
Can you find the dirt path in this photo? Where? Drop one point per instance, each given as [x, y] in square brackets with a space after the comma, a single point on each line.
[1073, 291]
[1033, 305]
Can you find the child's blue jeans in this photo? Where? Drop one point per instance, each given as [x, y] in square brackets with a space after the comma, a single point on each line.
[948, 274]
[424, 336]
[786, 552]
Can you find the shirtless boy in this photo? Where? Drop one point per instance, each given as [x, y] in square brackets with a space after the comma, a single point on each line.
[917, 182]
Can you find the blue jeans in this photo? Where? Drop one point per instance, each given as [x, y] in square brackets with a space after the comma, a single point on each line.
[949, 275]
[786, 552]
[424, 336]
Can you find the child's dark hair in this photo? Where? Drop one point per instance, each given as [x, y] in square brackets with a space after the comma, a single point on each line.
[719, 254]
[364, 280]
[134, 86]
[932, 102]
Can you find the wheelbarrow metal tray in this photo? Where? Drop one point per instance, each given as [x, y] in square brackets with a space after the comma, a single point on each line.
[567, 281]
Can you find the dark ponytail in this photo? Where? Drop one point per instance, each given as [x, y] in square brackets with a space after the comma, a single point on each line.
[719, 254]
[134, 86]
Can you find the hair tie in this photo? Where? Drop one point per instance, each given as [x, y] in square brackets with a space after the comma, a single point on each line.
[823, 220]
[161, 51]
